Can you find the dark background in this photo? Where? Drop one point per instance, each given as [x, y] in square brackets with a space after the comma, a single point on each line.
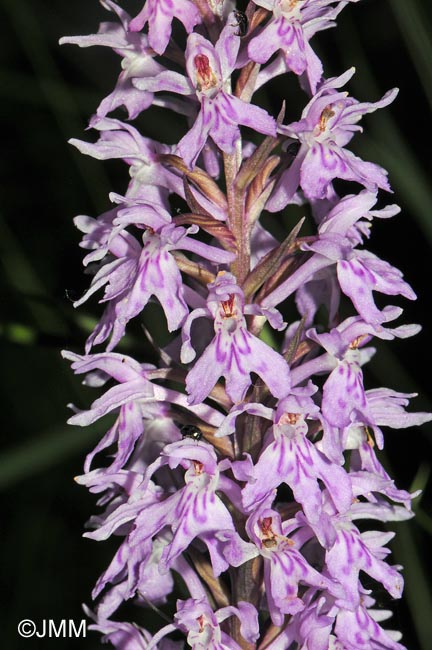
[47, 95]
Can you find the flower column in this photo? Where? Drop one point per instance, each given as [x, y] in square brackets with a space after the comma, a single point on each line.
[237, 471]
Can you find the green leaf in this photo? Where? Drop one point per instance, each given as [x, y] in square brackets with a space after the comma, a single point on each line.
[45, 450]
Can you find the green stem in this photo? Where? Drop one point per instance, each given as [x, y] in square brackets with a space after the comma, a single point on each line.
[244, 578]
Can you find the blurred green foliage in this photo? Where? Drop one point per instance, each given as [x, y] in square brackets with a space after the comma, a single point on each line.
[47, 94]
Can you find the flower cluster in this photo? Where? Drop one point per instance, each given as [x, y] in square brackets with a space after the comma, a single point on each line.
[243, 477]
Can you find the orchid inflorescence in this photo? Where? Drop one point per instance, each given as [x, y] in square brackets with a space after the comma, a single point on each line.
[243, 473]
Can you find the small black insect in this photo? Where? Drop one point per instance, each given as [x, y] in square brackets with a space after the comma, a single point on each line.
[191, 431]
[242, 22]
